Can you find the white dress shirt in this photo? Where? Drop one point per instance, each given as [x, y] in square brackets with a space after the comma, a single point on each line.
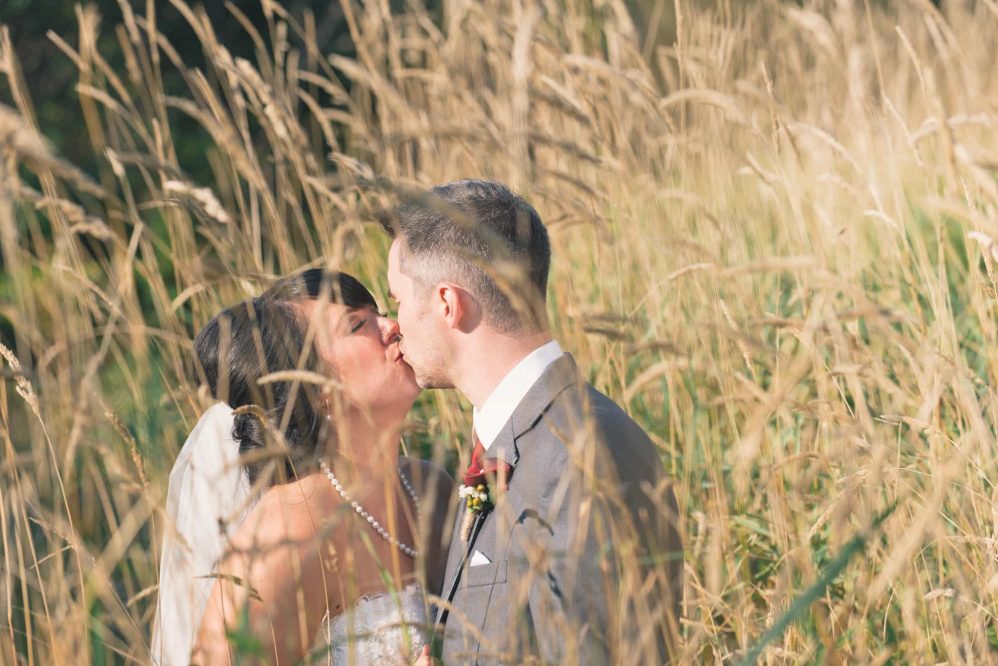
[506, 397]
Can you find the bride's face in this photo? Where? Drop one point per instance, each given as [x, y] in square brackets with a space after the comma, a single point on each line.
[361, 349]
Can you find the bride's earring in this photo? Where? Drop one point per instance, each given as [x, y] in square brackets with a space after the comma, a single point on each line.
[328, 429]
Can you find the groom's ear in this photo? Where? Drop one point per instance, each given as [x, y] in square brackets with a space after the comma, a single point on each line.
[455, 305]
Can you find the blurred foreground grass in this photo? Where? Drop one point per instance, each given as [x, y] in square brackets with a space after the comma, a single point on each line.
[774, 243]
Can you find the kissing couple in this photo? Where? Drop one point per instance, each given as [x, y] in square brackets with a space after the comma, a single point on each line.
[296, 530]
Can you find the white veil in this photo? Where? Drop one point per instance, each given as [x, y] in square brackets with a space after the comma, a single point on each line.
[208, 498]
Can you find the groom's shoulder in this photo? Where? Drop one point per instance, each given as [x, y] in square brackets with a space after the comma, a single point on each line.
[582, 405]
[606, 411]
[582, 401]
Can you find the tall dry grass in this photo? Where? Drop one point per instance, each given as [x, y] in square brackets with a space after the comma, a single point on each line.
[774, 244]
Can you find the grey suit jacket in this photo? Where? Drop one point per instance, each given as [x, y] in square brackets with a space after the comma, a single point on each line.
[584, 554]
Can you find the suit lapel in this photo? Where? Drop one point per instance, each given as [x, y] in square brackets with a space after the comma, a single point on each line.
[456, 559]
[557, 377]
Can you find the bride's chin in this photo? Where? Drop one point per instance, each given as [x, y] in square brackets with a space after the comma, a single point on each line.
[407, 387]
[409, 379]
[412, 388]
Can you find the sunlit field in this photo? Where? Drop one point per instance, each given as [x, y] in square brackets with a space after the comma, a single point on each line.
[775, 237]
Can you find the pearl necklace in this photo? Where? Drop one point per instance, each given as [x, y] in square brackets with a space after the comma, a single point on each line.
[363, 513]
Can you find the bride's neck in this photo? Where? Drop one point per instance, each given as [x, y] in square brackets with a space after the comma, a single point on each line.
[363, 449]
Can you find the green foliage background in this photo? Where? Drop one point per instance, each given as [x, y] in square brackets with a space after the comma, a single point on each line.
[773, 227]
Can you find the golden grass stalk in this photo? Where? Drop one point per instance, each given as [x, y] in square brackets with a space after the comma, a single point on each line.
[773, 242]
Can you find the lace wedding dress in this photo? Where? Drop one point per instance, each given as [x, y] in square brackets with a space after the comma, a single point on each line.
[386, 628]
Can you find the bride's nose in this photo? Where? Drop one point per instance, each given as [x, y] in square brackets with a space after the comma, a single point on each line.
[389, 330]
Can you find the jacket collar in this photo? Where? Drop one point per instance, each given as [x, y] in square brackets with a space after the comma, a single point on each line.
[558, 376]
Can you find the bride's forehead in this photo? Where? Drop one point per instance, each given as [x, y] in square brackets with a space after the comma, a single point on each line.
[332, 311]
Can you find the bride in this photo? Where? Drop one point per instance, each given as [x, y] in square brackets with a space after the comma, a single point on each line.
[295, 530]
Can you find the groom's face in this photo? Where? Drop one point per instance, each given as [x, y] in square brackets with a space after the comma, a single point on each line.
[422, 332]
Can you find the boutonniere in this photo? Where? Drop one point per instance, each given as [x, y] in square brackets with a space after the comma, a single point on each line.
[477, 501]
[481, 479]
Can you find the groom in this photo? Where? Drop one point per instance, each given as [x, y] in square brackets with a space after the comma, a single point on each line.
[575, 555]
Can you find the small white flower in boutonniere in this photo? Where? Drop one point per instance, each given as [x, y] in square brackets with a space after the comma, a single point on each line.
[477, 501]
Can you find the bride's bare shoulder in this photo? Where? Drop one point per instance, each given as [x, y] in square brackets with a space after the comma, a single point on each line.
[287, 511]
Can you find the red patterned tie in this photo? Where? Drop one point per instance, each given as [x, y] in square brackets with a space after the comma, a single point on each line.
[483, 471]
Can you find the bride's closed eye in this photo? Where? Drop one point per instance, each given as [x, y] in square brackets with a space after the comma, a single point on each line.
[357, 323]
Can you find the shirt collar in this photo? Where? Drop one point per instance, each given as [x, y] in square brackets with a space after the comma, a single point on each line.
[506, 397]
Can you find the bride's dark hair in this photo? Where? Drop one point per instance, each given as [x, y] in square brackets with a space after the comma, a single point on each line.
[265, 335]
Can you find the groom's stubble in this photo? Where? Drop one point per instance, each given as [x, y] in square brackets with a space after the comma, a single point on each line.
[429, 372]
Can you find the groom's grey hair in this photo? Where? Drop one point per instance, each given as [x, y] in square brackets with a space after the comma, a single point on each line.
[482, 236]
